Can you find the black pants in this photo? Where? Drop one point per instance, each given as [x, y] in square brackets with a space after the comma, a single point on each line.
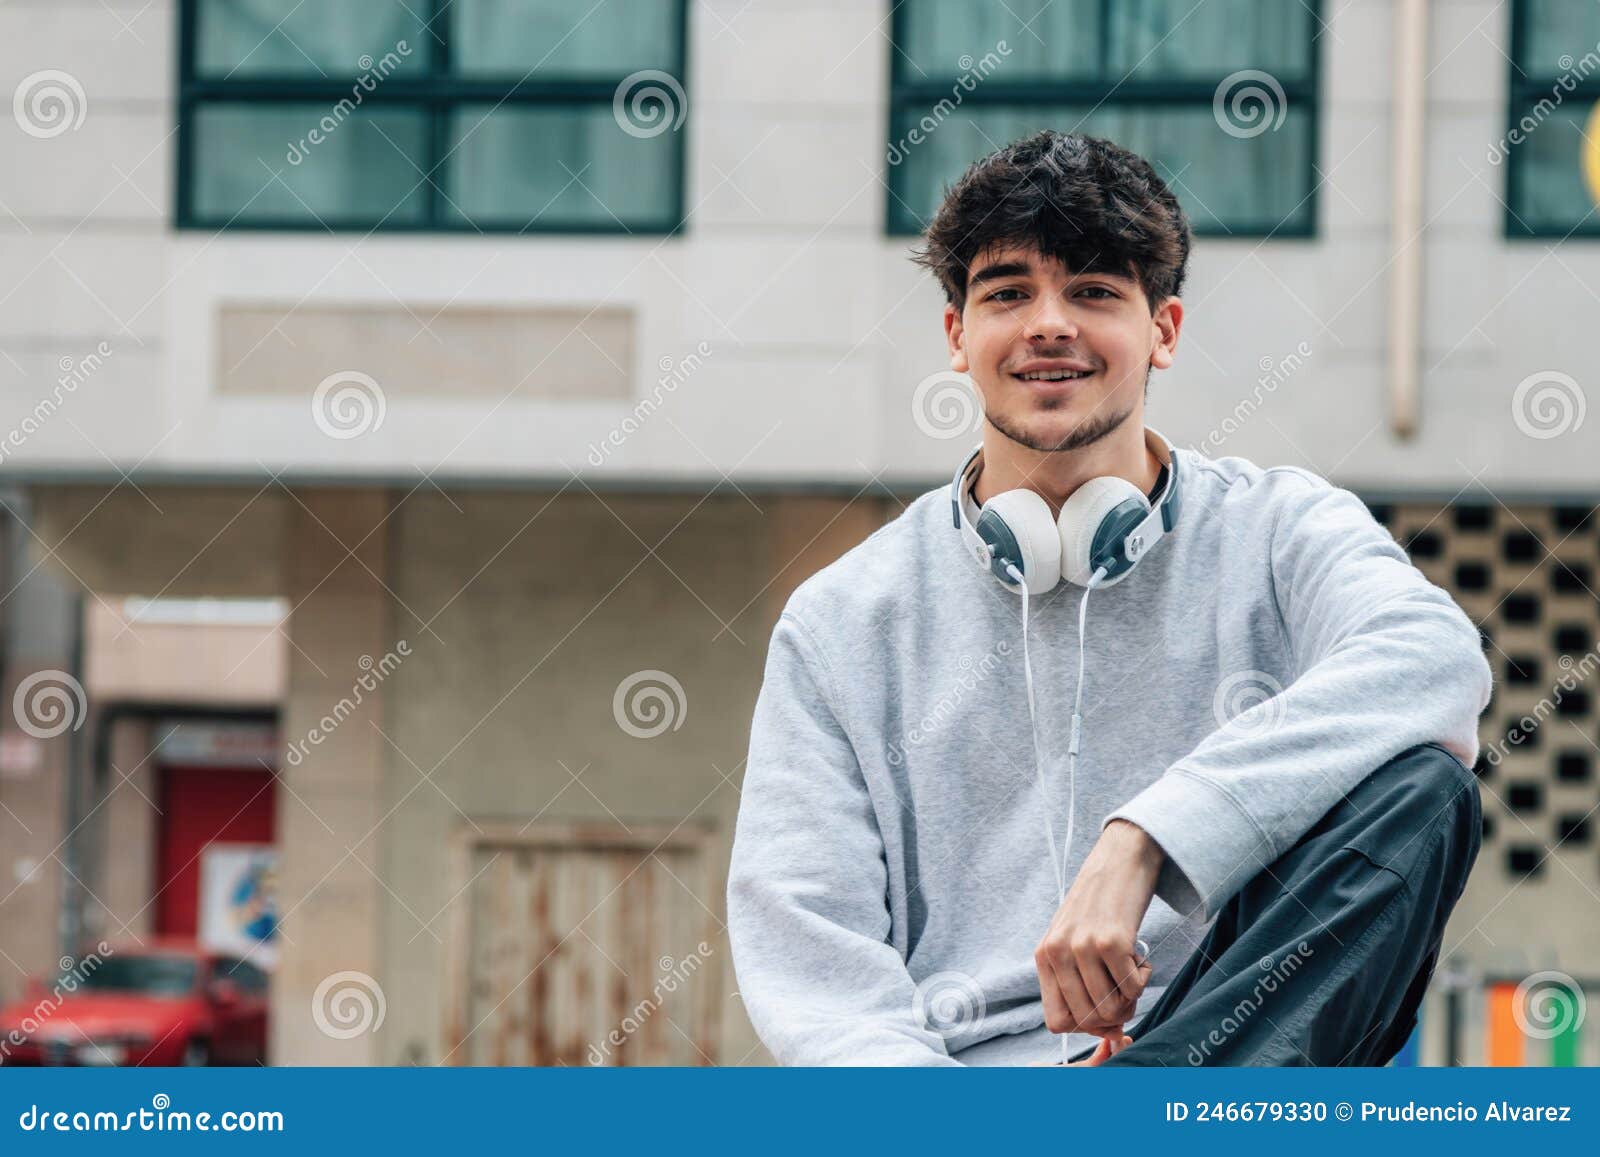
[1323, 957]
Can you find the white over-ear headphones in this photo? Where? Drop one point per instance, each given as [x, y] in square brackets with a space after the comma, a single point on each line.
[1107, 523]
[1105, 527]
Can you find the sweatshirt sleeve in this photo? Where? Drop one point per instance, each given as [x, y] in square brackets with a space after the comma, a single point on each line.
[1384, 659]
[808, 919]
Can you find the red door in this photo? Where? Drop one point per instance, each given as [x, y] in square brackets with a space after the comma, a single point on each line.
[198, 805]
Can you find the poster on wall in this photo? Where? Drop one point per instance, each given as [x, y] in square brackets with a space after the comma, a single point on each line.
[238, 901]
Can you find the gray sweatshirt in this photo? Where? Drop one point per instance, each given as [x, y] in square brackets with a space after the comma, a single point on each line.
[891, 876]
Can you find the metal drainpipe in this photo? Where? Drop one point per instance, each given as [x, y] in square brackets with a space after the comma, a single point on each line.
[1405, 286]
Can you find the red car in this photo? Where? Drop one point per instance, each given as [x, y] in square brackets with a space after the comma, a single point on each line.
[163, 1002]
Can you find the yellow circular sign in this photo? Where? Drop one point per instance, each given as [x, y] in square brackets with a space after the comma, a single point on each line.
[1590, 153]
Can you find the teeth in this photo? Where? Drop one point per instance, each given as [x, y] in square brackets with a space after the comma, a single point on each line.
[1054, 376]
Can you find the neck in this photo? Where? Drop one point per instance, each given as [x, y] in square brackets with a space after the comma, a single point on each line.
[1054, 475]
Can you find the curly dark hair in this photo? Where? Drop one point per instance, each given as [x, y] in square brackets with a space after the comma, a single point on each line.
[1084, 201]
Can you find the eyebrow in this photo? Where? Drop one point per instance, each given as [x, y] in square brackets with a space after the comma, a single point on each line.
[999, 272]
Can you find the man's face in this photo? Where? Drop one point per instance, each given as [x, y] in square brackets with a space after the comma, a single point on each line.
[1060, 360]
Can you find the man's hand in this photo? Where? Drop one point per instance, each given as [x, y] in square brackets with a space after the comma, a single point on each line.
[1088, 971]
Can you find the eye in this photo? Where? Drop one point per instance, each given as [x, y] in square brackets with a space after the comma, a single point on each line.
[998, 295]
[1099, 289]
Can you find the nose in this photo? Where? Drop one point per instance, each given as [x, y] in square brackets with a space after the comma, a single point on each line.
[1051, 320]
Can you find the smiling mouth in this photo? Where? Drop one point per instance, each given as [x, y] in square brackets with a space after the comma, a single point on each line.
[1053, 376]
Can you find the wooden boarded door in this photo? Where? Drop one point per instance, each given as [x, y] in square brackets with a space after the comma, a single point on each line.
[584, 946]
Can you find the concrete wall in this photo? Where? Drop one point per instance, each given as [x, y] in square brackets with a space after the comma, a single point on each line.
[510, 620]
[819, 328]
[532, 616]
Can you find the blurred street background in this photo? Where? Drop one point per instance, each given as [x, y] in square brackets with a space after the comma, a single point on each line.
[415, 413]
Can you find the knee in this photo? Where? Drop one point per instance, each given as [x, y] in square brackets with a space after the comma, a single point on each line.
[1428, 781]
[1425, 789]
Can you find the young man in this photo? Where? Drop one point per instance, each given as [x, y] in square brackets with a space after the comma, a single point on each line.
[1266, 886]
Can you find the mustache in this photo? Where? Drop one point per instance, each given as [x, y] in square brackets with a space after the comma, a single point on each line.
[1063, 352]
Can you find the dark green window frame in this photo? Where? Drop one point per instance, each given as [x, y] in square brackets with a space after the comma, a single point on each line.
[440, 94]
[1524, 91]
[911, 96]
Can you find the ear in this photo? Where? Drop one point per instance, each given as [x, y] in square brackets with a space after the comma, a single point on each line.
[955, 338]
[1167, 322]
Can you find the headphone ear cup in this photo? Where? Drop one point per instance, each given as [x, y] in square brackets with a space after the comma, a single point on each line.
[1082, 516]
[1032, 527]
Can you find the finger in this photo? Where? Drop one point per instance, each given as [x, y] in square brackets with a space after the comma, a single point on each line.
[1131, 977]
[1057, 1017]
[1080, 1008]
[1104, 1000]
[1101, 1054]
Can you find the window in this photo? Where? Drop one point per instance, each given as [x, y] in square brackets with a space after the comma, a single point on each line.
[246, 976]
[1551, 150]
[1219, 95]
[475, 115]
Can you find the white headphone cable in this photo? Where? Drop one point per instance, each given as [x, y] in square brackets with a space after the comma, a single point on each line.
[1058, 858]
